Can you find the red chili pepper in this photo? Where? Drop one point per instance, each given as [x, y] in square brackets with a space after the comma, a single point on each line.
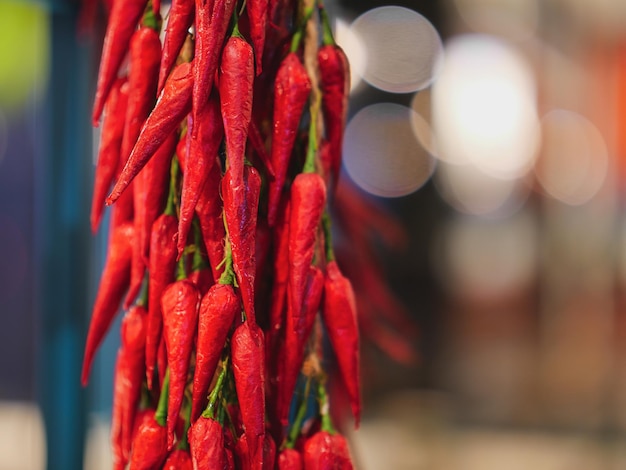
[335, 87]
[125, 15]
[149, 444]
[133, 346]
[203, 150]
[218, 310]
[325, 451]
[235, 85]
[179, 459]
[109, 151]
[170, 109]
[180, 18]
[156, 174]
[300, 320]
[308, 200]
[113, 284]
[206, 441]
[240, 211]
[269, 453]
[162, 266]
[291, 91]
[180, 316]
[257, 12]
[212, 21]
[256, 140]
[247, 351]
[120, 400]
[242, 453]
[289, 459]
[145, 56]
[340, 317]
[209, 212]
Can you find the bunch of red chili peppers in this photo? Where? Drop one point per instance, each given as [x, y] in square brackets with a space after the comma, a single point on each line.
[222, 150]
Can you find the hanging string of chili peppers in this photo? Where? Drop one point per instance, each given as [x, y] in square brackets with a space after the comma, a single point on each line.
[221, 151]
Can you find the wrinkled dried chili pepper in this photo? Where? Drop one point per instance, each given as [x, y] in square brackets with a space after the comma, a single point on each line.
[180, 18]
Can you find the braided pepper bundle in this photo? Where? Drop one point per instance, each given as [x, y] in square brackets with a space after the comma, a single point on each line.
[221, 179]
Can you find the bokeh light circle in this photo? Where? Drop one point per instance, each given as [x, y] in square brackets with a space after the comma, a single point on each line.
[382, 154]
[403, 49]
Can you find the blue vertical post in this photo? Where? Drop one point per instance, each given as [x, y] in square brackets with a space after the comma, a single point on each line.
[62, 175]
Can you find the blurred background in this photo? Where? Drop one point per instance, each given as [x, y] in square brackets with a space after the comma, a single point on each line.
[489, 130]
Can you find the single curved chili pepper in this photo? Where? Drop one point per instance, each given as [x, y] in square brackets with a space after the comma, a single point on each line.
[170, 109]
[240, 212]
[247, 352]
[291, 91]
[180, 18]
[133, 343]
[340, 317]
[125, 15]
[109, 151]
[335, 87]
[206, 441]
[289, 459]
[162, 266]
[145, 57]
[235, 85]
[149, 448]
[209, 212]
[113, 285]
[308, 200]
[203, 150]
[179, 459]
[257, 12]
[179, 303]
[298, 328]
[218, 310]
[212, 21]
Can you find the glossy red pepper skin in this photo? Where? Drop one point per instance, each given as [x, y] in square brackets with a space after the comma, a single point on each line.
[235, 86]
[149, 448]
[178, 459]
[335, 87]
[162, 266]
[257, 12]
[110, 147]
[206, 441]
[170, 109]
[308, 200]
[240, 211]
[209, 212]
[340, 317]
[218, 310]
[125, 15]
[248, 362]
[291, 92]
[212, 21]
[203, 150]
[325, 451]
[290, 459]
[179, 302]
[133, 344]
[180, 18]
[113, 285]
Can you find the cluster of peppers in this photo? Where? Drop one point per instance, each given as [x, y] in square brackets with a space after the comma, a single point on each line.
[219, 244]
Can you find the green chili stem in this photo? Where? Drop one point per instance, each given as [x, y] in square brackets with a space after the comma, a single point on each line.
[228, 275]
[143, 295]
[209, 412]
[297, 36]
[161, 412]
[327, 424]
[236, 33]
[311, 154]
[327, 32]
[181, 268]
[170, 208]
[150, 19]
[294, 432]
